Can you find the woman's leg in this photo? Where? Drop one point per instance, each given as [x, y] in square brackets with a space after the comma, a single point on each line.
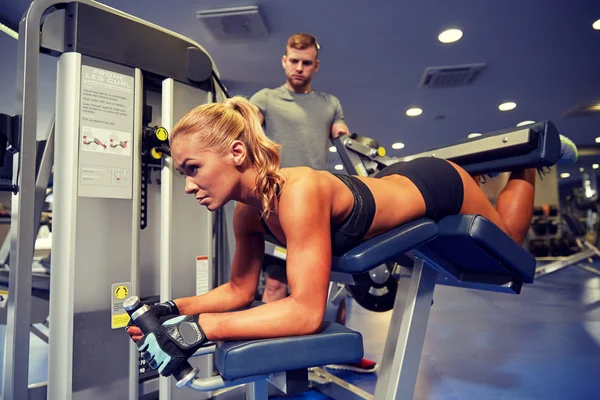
[515, 203]
[514, 206]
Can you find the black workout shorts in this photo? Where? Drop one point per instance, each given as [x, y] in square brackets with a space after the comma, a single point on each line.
[438, 181]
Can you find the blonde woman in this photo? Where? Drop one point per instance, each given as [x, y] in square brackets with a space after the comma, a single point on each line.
[225, 156]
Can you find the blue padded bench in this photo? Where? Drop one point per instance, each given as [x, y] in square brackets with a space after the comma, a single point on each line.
[466, 248]
[333, 344]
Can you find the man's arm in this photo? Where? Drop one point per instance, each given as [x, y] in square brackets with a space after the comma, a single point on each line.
[339, 126]
[338, 129]
[260, 100]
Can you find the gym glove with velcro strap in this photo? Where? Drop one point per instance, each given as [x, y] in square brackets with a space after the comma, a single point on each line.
[172, 343]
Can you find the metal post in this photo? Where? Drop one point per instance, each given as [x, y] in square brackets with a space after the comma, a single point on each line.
[406, 335]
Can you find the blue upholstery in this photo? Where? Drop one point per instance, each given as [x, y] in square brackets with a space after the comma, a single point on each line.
[468, 247]
[334, 344]
[385, 247]
[476, 248]
[543, 150]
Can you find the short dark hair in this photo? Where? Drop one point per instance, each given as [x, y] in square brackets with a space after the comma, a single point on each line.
[301, 41]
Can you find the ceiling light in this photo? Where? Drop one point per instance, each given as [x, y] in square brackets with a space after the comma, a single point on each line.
[523, 123]
[598, 139]
[507, 106]
[596, 25]
[450, 36]
[398, 146]
[333, 149]
[565, 175]
[339, 167]
[581, 169]
[473, 135]
[413, 112]
[595, 166]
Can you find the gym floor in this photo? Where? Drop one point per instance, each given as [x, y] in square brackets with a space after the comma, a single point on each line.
[542, 344]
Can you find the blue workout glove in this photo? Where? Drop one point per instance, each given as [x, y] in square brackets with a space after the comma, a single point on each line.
[160, 310]
[172, 343]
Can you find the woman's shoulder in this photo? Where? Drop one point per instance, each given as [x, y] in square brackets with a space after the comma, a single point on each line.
[304, 182]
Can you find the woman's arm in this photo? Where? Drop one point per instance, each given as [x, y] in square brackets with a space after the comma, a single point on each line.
[304, 214]
[245, 270]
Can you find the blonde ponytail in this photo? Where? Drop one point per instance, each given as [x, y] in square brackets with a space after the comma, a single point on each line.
[217, 125]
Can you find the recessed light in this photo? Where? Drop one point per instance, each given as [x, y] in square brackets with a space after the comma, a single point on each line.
[398, 146]
[581, 169]
[595, 166]
[596, 25]
[473, 135]
[565, 175]
[507, 106]
[450, 36]
[339, 167]
[523, 123]
[333, 149]
[413, 112]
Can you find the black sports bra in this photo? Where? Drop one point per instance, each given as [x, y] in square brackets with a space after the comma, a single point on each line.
[350, 232]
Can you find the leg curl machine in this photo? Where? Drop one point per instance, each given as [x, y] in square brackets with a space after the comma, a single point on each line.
[464, 251]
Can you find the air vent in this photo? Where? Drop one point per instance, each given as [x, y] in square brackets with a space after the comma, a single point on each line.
[450, 76]
[583, 110]
[235, 24]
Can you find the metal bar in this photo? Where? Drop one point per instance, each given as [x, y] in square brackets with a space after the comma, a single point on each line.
[166, 220]
[334, 387]
[217, 382]
[43, 177]
[258, 390]
[60, 351]
[136, 175]
[592, 247]
[406, 335]
[568, 261]
[589, 269]
[16, 349]
[503, 141]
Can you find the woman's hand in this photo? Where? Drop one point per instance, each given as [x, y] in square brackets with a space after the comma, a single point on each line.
[160, 310]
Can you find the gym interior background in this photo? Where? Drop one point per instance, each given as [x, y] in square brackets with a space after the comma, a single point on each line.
[382, 59]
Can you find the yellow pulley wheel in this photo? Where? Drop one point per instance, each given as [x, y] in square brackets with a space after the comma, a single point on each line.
[156, 154]
[381, 152]
[161, 134]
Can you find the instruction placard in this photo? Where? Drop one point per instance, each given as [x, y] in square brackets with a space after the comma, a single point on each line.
[106, 132]
[119, 292]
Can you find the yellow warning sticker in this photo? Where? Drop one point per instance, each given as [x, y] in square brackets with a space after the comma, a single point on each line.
[280, 252]
[121, 292]
[120, 321]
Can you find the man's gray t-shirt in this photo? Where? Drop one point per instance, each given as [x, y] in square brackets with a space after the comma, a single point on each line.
[300, 123]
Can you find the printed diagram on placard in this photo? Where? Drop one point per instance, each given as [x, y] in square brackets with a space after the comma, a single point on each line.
[106, 141]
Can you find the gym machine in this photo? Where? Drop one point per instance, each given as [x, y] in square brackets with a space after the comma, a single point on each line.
[579, 238]
[113, 232]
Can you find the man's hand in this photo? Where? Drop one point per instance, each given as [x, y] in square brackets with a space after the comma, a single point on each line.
[338, 129]
[172, 343]
[160, 310]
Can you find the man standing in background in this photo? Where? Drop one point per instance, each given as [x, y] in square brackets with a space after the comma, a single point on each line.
[302, 120]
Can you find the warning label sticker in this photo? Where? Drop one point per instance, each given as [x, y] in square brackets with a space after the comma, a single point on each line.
[119, 292]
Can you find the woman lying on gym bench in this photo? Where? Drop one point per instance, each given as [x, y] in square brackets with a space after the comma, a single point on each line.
[224, 154]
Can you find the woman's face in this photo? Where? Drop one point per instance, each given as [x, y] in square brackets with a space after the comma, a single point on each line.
[209, 176]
